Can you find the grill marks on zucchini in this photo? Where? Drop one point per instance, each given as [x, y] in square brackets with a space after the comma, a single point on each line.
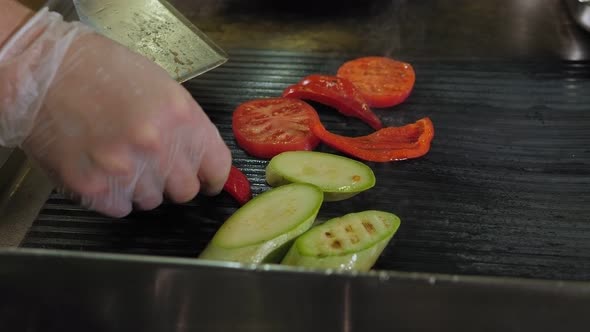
[276, 226]
[351, 242]
[350, 233]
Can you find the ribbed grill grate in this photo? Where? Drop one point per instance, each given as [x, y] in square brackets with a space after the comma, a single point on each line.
[504, 190]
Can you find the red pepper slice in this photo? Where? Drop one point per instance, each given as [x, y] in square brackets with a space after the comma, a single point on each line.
[335, 92]
[238, 186]
[387, 144]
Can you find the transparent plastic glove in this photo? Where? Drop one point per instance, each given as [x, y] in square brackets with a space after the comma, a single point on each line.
[107, 124]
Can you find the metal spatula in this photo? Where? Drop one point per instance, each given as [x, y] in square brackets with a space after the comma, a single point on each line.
[156, 30]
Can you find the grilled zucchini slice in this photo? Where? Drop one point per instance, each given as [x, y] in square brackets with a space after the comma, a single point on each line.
[351, 242]
[262, 230]
[339, 177]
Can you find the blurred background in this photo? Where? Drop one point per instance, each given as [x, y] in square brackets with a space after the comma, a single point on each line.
[460, 28]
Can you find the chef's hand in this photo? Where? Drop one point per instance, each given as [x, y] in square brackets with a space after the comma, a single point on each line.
[109, 125]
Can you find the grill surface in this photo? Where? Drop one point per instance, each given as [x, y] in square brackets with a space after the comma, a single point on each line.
[503, 191]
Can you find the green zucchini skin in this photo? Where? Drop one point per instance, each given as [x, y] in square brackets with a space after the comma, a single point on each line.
[234, 241]
[339, 177]
[314, 249]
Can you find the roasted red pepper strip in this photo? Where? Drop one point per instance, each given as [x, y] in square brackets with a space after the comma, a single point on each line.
[387, 144]
[238, 186]
[335, 92]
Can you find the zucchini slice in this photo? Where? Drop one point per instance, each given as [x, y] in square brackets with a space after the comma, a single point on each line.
[351, 242]
[262, 230]
[337, 176]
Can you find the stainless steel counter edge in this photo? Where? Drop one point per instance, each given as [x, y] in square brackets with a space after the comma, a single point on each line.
[579, 287]
[63, 291]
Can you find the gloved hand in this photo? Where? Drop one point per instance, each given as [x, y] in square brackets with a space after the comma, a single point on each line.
[107, 124]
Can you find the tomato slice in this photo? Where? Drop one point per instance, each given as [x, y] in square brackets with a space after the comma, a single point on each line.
[238, 186]
[387, 144]
[382, 81]
[267, 127]
[335, 92]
